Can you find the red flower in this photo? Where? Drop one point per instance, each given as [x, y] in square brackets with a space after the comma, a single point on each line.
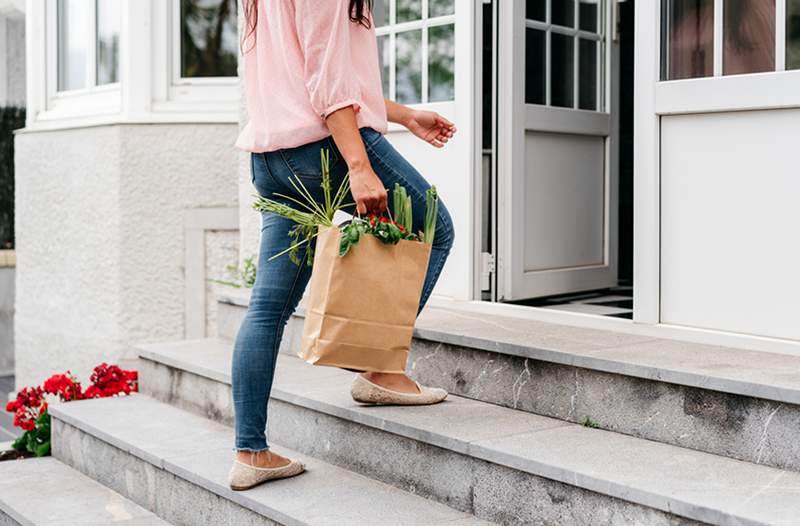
[111, 380]
[65, 386]
[384, 219]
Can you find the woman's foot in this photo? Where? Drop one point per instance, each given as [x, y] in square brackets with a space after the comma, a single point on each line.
[397, 391]
[252, 468]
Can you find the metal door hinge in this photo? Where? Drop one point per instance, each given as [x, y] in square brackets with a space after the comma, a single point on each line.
[487, 269]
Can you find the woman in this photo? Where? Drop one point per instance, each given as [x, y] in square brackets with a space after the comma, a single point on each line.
[313, 82]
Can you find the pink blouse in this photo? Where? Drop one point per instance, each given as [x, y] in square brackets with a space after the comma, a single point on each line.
[306, 60]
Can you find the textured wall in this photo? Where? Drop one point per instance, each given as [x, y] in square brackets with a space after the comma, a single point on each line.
[100, 249]
[222, 249]
[15, 61]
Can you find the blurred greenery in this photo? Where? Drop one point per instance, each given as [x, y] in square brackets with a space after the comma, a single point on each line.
[11, 118]
[209, 38]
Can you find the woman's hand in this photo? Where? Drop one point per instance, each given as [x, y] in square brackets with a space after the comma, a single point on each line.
[367, 189]
[430, 127]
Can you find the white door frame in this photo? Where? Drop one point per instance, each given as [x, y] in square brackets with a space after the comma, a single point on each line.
[654, 98]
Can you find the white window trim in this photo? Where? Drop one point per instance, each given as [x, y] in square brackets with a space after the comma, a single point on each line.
[150, 90]
[90, 101]
[751, 91]
[393, 27]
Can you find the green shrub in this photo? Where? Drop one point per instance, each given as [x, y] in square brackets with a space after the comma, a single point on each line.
[11, 118]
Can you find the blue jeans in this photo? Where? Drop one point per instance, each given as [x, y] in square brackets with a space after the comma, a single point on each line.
[280, 283]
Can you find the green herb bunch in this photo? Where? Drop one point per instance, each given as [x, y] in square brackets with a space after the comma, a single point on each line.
[310, 215]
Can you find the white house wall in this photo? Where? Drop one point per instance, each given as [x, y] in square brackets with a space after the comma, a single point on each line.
[730, 222]
[100, 222]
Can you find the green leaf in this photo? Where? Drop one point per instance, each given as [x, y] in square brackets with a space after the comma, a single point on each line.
[42, 450]
[21, 443]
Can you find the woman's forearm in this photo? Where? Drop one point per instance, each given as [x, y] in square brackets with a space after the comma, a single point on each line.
[397, 112]
[367, 189]
[344, 128]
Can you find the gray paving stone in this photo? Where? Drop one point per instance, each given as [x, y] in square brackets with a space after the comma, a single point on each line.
[308, 499]
[46, 492]
[777, 376]
[622, 467]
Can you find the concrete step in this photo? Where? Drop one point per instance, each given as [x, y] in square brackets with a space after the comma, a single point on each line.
[501, 464]
[46, 492]
[176, 464]
[731, 402]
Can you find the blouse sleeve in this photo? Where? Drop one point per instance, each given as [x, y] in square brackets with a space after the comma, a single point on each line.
[323, 28]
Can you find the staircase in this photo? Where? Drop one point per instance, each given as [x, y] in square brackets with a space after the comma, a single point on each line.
[546, 425]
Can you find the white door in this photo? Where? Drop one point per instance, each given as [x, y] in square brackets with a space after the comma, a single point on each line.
[717, 127]
[557, 161]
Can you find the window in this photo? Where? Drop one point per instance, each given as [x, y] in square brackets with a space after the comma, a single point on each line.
[209, 44]
[569, 34]
[416, 42]
[88, 43]
[704, 38]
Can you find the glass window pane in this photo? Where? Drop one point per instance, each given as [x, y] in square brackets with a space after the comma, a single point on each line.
[408, 10]
[587, 74]
[441, 7]
[408, 85]
[562, 60]
[108, 20]
[441, 63]
[687, 39]
[73, 56]
[383, 57]
[749, 31]
[536, 9]
[562, 12]
[793, 34]
[380, 13]
[209, 38]
[587, 16]
[535, 58]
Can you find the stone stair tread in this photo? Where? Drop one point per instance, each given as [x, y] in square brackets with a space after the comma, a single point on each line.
[725, 369]
[199, 451]
[46, 492]
[690, 483]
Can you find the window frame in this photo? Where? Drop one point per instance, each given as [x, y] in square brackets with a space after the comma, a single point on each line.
[720, 93]
[392, 28]
[90, 100]
[577, 34]
[148, 89]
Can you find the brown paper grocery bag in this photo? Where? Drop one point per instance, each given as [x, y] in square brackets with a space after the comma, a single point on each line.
[361, 307]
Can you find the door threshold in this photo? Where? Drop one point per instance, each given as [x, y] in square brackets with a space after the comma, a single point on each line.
[609, 323]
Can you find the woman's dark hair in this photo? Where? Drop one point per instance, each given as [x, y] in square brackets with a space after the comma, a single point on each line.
[359, 14]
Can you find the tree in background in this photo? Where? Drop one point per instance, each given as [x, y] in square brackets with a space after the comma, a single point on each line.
[11, 118]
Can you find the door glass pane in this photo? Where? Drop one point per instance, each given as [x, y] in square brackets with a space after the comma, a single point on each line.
[587, 71]
[383, 57]
[441, 63]
[587, 15]
[562, 12]
[73, 56]
[749, 31]
[793, 34]
[687, 39]
[380, 13]
[408, 10]
[209, 38]
[409, 67]
[108, 19]
[441, 7]
[536, 10]
[535, 57]
[562, 55]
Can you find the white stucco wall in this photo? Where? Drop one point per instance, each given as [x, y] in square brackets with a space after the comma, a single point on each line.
[221, 250]
[99, 218]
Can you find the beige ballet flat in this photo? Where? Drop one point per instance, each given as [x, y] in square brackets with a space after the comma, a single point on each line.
[244, 476]
[366, 392]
